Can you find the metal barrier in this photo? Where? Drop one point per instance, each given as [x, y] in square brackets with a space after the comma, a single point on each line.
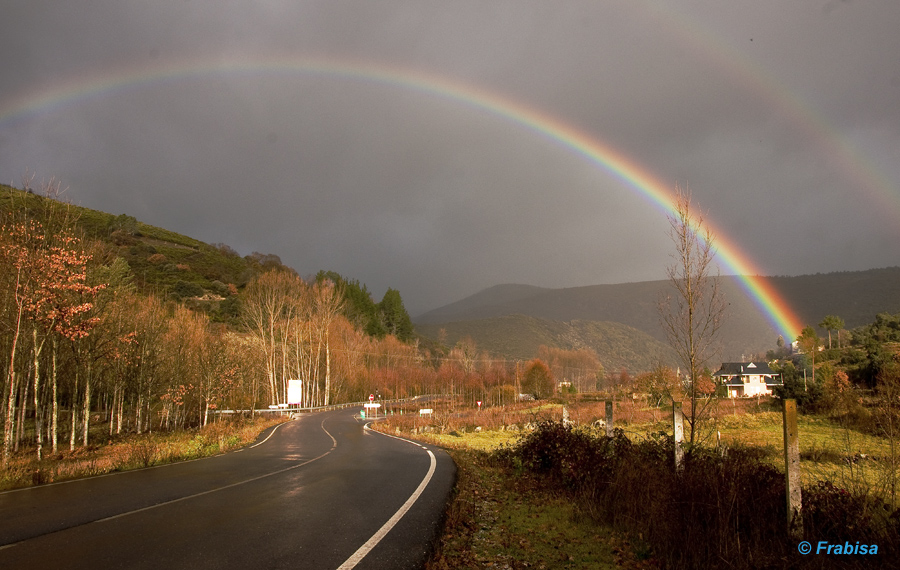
[293, 409]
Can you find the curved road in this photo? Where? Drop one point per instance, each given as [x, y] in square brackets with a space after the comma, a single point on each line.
[318, 492]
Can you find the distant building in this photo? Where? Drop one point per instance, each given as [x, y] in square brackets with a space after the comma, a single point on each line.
[747, 379]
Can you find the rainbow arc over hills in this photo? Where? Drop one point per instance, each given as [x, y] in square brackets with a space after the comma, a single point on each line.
[539, 123]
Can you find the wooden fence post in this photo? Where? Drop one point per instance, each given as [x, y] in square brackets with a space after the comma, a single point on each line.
[792, 468]
[609, 418]
[678, 428]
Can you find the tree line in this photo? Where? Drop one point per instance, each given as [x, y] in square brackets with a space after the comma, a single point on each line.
[83, 347]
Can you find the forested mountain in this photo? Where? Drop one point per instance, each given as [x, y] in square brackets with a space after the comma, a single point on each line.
[520, 337]
[857, 297]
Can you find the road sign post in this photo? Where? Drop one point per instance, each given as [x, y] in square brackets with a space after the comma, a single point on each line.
[373, 407]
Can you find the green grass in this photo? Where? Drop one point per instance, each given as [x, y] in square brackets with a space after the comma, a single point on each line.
[496, 521]
[500, 518]
[850, 459]
[480, 441]
[161, 234]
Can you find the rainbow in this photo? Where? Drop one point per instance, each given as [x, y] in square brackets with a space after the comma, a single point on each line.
[632, 174]
[751, 77]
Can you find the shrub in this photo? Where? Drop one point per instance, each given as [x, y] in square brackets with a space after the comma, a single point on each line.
[718, 510]
[219, 287]
[834, 514]
[569, 458]
[186, 290]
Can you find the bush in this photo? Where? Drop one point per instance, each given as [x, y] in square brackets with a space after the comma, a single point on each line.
[834, 514]
[570, 458]
[186, 290]
[718, 510]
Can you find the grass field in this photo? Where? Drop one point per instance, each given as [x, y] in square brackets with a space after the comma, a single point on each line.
[494, 521]
[497, 519]
[850, 459]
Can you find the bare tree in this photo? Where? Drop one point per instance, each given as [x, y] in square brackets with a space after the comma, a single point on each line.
[692, 314]
[266, 308]
[329, 302]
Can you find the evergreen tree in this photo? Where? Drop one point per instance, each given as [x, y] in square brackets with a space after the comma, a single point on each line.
[832, 323]
[394, 316]
[359, 308]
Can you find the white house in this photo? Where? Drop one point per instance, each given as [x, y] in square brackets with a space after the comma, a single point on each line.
[747, 378]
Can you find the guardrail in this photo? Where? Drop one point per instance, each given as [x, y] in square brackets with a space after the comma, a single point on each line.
[294, 409]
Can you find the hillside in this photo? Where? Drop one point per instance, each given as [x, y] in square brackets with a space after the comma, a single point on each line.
[633, 305]
[854, 296]
[518, 337]
[163, 262]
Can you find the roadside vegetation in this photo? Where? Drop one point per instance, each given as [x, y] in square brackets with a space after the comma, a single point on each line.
[623, 496]
[111, 328]
[497, 521]
[132, 451]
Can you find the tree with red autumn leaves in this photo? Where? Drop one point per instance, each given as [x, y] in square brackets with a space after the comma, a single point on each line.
[50, 297]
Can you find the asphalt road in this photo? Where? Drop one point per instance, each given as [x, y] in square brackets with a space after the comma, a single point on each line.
[318, 492]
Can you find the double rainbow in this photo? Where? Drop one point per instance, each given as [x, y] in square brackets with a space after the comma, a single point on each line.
[567, 136]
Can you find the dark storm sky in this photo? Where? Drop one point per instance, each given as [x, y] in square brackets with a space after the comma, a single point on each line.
[782, 117]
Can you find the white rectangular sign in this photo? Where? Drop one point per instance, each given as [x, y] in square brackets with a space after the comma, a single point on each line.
[371, 405]
[295, 392]
[425, 411]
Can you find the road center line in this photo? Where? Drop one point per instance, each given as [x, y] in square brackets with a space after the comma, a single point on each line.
[217, 489]
[357, 556]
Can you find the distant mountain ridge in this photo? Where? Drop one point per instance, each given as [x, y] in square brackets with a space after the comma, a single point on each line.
[518, 337]
[482, 302]
[855, 296]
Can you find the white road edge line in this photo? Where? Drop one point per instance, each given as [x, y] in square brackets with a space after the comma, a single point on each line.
[120, 515]
[271, 433]
[116, 473]
[386, 528]
[217, 489]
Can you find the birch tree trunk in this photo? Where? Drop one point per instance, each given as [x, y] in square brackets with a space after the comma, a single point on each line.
[137, 412]
[38, 434]
[327, 369]
[10, 415]
[74, 415]
[86, 418]
[12, 379]
[54, 416]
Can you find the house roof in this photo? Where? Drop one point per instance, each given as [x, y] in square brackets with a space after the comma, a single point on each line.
[745, 369]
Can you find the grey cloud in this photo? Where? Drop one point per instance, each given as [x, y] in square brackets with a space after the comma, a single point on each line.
[758, 107]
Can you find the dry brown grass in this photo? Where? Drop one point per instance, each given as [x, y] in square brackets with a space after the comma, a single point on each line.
[131, 452]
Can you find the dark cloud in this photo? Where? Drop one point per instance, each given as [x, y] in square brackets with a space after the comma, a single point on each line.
[782, 118]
